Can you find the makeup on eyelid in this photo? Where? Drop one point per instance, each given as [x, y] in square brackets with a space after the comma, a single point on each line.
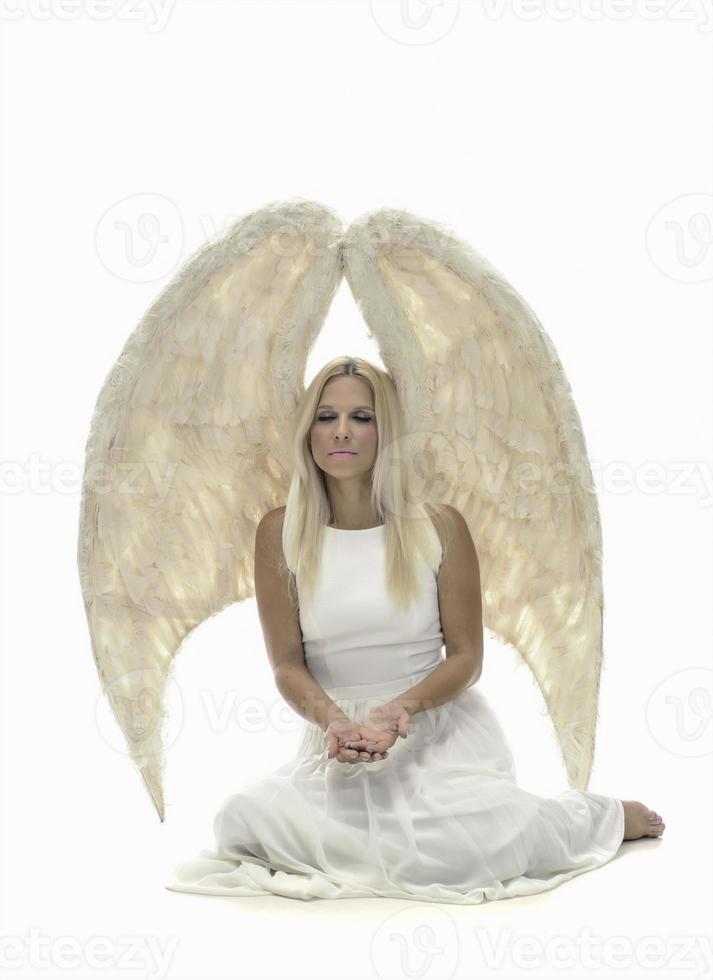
[329, 418]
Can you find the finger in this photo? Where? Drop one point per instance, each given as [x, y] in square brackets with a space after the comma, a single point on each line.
[377, 747]
[356, 756]
[361, 743]
[347, 753]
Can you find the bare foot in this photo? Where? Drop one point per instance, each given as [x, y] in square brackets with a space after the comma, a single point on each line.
[639, 821]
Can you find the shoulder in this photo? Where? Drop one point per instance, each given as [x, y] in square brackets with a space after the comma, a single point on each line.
[272, 518]
[456, 540]
[449, 523]
[269, 529]
[456, 518]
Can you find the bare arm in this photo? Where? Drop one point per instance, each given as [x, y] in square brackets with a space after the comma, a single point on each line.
[281, 628]
[460, 603]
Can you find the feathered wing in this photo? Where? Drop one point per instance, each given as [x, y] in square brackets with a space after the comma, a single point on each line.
[495, 432]
[189, 447]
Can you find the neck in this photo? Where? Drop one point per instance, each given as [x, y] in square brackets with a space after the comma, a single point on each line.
[350, 505]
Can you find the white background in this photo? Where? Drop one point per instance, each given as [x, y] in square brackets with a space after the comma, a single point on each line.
[571, 145]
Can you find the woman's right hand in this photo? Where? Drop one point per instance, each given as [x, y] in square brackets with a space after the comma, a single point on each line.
[342, 730]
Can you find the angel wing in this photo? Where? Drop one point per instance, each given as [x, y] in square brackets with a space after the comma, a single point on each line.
[496, 433]
[187, 450]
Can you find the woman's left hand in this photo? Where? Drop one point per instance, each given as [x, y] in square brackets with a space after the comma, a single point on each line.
[381, 728]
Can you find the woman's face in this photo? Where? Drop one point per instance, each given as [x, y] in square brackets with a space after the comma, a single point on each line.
[345, 419]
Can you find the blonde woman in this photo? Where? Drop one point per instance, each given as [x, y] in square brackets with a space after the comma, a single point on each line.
[362, 513]
[404, 785]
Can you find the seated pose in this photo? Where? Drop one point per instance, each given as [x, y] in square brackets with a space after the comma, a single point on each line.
[403, 785]
[382, 518]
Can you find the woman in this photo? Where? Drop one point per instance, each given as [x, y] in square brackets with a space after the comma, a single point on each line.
[403, 785]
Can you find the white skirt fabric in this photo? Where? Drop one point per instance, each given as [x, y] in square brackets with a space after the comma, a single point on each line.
[441, 819]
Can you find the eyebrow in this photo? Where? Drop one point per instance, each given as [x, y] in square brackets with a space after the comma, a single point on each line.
[358, 407]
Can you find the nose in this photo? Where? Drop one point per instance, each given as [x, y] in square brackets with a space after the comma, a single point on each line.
[343, 430]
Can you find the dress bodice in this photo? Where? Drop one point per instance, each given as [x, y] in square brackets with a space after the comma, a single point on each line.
[357, 642]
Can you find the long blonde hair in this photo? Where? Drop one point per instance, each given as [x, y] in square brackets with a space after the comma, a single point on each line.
[409, 527]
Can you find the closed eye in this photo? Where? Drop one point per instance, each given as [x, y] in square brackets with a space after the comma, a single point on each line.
[359, 418]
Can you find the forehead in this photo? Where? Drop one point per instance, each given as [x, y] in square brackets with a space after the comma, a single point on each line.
[347, 392]
[325, 405]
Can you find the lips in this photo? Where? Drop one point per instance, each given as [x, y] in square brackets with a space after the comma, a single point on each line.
[342, 452]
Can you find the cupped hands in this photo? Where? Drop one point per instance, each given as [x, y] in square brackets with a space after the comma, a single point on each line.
[369, 741]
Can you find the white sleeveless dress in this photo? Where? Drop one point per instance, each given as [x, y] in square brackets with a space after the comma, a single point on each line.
[441, 819]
